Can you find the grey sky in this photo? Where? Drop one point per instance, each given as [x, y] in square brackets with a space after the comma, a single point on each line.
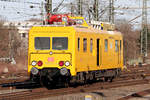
[21, 11]
[17, 11]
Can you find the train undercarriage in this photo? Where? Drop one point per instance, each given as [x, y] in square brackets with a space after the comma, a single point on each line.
[54, 77]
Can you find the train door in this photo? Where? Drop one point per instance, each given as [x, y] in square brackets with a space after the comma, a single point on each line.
[98, 53]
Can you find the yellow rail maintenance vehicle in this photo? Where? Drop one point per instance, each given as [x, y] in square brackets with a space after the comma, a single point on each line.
[73, 54]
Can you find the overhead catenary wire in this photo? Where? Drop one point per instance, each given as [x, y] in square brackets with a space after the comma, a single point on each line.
[37, 6]
[20, 1]
[24, 11]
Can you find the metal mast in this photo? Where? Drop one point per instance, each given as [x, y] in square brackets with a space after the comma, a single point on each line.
[144, 29]
[111, 11]
[72, 8]
[80, 7]
[95, 8]
[49, 6]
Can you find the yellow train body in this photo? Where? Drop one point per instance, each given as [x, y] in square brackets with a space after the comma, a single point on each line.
[88, 49]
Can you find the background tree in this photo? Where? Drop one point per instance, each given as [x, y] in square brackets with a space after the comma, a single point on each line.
[9, 40]
[131, 40]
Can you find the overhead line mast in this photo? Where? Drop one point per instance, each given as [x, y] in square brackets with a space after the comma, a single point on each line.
[49, 6]
[80, 2]
[144, 29]
[96, 10]
[111, 11]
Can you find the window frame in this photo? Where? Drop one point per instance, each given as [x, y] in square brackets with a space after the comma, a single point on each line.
[116, 46]
[106, 45]
[60, 49]
[42, 37]
[91, 45]
[120, 45]
[84, 44]
[78, 40]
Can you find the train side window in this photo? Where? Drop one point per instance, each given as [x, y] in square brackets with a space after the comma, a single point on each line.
[116, 45]
[91, 45]
[78, 44]
[120, 45]
[84, 44]
[106, 45]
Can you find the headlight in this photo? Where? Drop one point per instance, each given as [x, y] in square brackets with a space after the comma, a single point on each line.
[51, 53]
[34, 71]
[33, 63]
[63, 71]
[67, 63]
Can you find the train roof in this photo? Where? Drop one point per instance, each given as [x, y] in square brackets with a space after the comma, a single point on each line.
[83, 29]
[93, 30]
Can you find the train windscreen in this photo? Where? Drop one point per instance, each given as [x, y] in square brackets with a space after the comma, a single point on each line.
[60, 43]
[42, 43]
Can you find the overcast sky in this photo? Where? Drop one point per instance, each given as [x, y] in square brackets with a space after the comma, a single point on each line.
[20, 9]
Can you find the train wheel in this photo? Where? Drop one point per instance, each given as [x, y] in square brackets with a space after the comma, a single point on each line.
[111, 79]
[62, 82]
[66, 84]
[46, 82]
[106, 79]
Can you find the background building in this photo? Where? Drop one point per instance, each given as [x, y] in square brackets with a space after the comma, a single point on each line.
[23, 30]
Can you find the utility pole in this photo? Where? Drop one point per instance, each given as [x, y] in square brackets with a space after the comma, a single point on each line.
[144, 29]
[72, 9]
[111, 11]
[49, 6]
[42, 14]
[80, 7]
[95, 8]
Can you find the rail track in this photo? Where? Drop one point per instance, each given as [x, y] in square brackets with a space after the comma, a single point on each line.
[130, 72]
[12, 80]
[16, 79]
[136, 75]
[138, 94]
[43, 92]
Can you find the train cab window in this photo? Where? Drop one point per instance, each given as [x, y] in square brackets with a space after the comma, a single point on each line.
[78, 44]
[60, 43]
[91, 45]
[42, 43]
[116, 45]
[84, 44]
[106, 45]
